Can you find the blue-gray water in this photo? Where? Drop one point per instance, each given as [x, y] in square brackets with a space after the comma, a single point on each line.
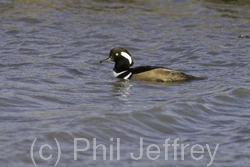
[53, 86]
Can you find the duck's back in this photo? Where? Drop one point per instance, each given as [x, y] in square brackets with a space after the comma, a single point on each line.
[158, 74]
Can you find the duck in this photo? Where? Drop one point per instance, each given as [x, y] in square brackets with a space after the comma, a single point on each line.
[123, 69]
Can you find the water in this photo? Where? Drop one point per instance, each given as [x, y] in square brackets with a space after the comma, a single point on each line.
[53, 86]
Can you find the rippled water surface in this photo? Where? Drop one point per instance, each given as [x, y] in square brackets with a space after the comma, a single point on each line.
[53, 86]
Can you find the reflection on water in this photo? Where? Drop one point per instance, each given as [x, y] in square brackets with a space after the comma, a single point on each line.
[53, 86]
[121, 88]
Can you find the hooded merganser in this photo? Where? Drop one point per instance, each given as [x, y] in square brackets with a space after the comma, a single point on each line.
[123, 62]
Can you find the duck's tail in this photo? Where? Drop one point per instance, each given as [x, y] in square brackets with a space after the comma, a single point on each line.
[191, 77]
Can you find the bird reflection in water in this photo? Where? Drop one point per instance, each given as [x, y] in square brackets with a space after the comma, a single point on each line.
[121, 88]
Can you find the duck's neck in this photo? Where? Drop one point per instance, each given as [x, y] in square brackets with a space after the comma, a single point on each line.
[120, 67]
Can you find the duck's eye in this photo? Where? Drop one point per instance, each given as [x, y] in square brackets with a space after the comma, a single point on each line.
[116, 54]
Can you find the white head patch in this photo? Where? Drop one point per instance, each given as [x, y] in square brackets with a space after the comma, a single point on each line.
[127, 56]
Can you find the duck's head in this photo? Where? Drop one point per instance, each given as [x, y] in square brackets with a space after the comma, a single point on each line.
[121, 57]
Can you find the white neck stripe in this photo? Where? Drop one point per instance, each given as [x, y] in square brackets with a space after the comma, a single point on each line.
[117, 74]
[128, 76]
[127, 56]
